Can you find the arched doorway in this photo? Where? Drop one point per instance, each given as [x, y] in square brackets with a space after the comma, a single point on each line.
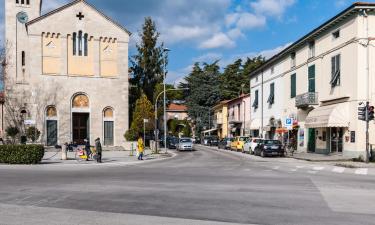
[80, 118]
[51, 125]
[108, 118]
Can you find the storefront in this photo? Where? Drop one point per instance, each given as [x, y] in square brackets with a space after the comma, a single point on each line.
[326, 128]
[255, 127]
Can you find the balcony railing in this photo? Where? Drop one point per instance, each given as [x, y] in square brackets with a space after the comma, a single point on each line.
[307, 99]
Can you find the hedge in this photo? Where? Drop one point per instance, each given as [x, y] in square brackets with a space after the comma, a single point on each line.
[21, 154]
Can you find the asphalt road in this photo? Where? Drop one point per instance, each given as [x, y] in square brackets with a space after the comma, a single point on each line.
[201, 187]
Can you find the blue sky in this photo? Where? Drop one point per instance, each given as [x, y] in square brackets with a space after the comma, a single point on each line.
[208, 30]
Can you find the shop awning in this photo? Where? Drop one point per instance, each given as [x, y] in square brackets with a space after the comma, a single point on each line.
[336, 115]
[208, 131]
[255, 124]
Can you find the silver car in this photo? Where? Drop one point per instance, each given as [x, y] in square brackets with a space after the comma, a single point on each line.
[185, 144]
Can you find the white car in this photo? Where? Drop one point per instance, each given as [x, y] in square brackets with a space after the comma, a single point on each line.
[185, 144]
[251, 144]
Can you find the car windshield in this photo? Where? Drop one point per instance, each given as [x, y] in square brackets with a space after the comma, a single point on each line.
[271, 142]
[243, 138]
[257, 140]
[185, 140]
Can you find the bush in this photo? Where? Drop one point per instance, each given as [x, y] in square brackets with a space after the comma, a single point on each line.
[12, 132]
[21, 154]
[33, 134]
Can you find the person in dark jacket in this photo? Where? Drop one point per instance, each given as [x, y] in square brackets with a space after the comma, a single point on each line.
[98, 147]
[87, 149]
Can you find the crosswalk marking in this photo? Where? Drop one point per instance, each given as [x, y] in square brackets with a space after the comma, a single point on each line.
[293, 170]
[361, 171]
[318, 168]
[338, 170]
[300, 167]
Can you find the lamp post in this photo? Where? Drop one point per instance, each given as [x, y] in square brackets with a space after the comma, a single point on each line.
[165, 51]
[144, 130]
[156, 114]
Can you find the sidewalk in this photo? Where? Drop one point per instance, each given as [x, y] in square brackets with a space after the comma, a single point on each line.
[109, 157]
[313, 157]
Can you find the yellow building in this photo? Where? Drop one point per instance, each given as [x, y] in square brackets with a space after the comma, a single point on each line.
[221, 119]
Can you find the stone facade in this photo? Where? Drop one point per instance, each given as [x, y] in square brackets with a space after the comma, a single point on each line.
[72, 51]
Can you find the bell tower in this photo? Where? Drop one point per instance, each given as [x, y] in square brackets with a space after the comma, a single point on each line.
[17, 14]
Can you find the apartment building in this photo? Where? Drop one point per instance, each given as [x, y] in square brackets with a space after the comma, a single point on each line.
[239, 116]
[221, 119]
[319, 81]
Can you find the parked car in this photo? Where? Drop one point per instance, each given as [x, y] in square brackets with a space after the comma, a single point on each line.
[270, 148]
[185, 144]
[213, 141]
[172, 142]
[205, 140]
[251, 144]
[238, 143]
[225, 143]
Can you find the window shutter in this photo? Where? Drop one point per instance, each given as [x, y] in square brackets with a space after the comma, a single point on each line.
[312, 78]
[293, 86]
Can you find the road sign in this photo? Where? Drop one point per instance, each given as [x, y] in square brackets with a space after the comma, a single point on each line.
[289, 123]
[29, 122]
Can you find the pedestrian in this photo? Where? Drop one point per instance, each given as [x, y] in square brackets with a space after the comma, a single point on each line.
[98, 147]
[140, 147]
[87, 149]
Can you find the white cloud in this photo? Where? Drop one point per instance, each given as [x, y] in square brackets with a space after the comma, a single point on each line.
[274, 8]
[342, 3]
[218, 40]
[180, 33]
[249, 21]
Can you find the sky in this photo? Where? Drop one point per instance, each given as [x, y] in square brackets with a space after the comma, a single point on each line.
[210, 30]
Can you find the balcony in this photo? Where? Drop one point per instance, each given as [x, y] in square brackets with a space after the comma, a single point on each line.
[307, 99]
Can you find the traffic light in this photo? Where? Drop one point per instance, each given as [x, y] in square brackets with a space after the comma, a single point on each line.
[362, 113]
[371, 113]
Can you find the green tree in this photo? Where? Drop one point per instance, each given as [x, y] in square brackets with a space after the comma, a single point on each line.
[12, 132]
[204, 92]
[143, 110]
[231, 82]
[248, 67]
[147, 65]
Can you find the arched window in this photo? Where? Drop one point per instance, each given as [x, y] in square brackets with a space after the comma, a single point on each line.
[17, 1]
[74, 43]
[80, 101]
[28, 2]
[51, 112]
[108, 113]
[80, 43]
[22, 1]
[85, 39]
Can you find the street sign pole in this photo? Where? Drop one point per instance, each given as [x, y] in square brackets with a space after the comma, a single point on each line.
[367, 133]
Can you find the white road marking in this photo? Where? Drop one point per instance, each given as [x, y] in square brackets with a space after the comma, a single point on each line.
[276, 167]
[338, 169]
[318, 168]
[313, 171]
[293, 170]
[363, 171]
[300, 167]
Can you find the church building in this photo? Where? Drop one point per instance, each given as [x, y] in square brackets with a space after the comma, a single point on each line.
[67, 72]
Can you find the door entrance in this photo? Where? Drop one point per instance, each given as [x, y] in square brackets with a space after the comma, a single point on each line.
[81, 127]
[337, 139]
[51, 132]
[108, 133]
[311, 145]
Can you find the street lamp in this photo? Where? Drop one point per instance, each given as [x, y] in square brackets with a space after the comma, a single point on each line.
[165, 51]
[156, 115]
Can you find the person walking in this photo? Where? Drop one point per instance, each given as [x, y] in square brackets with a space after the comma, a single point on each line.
[140, 147]
[87, 149]
[98, 147]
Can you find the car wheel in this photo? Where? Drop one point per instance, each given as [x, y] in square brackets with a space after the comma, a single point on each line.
[251, 151]
[262, 154]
